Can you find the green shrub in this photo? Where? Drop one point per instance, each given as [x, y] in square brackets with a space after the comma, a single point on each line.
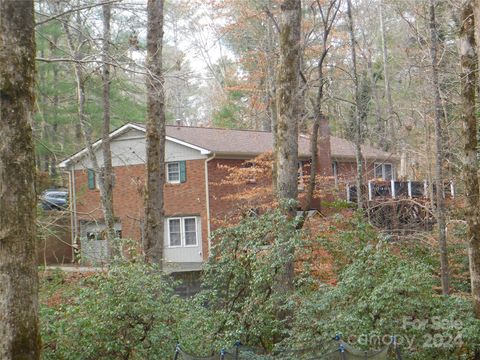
[242, 274]
[383, 289]
[384, 293]
[129, 312]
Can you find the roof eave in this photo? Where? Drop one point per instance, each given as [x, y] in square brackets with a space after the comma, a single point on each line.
[367, 157]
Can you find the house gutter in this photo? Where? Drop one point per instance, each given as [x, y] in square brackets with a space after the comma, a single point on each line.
[74, 199]
[207, 195]
[74, 213]
[70, 208]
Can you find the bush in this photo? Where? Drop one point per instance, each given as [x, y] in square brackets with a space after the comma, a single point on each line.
[384, 293]
[129, 312]
[382, 289]
[241, 277]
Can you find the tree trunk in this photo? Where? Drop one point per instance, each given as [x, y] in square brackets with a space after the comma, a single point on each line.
[271, 90]
[328, 20]
[287, 101]
[380, 126]
[19, 330]
[53, 164]
[79, 130]
[85, 126]
[358, 122]
[287, 129]
[440, 203]
[468, 60]
[153, 239]
[107, 171]
[388, 93]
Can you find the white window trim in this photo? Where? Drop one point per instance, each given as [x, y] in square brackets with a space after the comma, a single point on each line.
[168, 232]
[166, 170]
[382, 165]
[183, 231]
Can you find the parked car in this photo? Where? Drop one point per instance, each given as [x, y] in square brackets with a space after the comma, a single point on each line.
[54, 200]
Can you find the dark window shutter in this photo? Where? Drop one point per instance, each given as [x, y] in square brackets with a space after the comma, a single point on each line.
[183, 171]
[91, 179]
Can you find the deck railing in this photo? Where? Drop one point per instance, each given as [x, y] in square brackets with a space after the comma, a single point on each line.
[394, 189]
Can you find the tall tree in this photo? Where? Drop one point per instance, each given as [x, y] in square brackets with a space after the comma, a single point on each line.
[358, 100]
[386, 76]
[327, 19]
[107, 169]
[439, 158]
[81, 77]
[286, 151]
[154, 212]
[19, 331]
[288, 100]
[270, 96]
[468, 59]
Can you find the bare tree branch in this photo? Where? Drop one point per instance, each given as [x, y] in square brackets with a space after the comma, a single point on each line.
[80, 8]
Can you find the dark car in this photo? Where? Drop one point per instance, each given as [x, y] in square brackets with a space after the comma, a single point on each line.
[54, 200]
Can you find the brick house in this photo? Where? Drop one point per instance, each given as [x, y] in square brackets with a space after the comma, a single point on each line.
[193, 200]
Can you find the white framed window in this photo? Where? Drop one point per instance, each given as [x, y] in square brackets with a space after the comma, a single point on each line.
[174, 232]
[182, 232]
[173, 172]
[384, 171]
[190, 231]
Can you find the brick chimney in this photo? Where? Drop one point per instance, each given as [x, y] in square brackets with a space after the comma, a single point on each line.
[324, 155]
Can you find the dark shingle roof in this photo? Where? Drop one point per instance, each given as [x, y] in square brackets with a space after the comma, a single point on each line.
[250, 142]
[243, 143]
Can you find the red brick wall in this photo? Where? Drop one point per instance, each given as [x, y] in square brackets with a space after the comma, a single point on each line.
[222, 209]
[188, 198]
[346, 173]
[324, 163]
[347, 170]
[128, 197]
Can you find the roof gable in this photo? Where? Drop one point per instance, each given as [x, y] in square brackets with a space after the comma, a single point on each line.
[122, 131]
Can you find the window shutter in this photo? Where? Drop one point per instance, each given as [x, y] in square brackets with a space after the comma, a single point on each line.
[183, 171]
[91, 179]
